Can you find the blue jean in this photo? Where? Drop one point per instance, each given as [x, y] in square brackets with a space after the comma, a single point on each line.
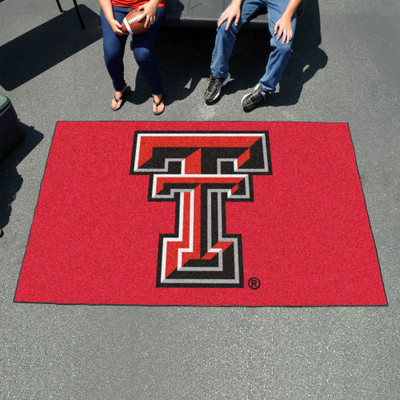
[280, 53]
[142, 46]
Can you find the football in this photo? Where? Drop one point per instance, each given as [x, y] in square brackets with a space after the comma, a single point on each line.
[134, 22]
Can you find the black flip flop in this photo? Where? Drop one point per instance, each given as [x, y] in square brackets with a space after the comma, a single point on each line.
[122, 98]
[157, 104]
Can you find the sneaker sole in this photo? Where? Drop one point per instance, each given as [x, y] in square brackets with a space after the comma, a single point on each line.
[227, 80]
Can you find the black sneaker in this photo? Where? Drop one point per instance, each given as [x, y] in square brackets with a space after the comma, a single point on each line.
[253, 99]
[214, 87]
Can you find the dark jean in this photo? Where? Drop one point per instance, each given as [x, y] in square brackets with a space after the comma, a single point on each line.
[142, 46]
[280, 53]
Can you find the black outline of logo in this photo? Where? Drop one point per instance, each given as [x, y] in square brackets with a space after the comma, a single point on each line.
[168, 163]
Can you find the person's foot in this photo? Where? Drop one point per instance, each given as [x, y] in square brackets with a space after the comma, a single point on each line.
[214, 88]
[254, 99]
[158, 104]
[119, 98]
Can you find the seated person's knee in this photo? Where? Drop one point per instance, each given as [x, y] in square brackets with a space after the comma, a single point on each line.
[283, 49]
[233, 29]
[141, 54]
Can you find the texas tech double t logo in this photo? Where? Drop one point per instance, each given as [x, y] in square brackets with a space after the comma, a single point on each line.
[200, 171]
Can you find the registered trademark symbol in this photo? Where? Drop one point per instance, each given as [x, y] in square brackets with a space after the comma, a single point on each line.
[254, 283]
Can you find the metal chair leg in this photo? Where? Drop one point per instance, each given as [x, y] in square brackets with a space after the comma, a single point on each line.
[79, 14]
[76, 9]
[59, 6]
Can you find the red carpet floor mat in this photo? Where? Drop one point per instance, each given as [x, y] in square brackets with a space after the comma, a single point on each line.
[201, 213]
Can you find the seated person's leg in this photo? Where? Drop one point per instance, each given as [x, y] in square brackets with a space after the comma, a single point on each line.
[278, 58]
[224, 42]
[280, 53]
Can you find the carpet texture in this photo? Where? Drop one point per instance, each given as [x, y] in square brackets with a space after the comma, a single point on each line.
[201, 213]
